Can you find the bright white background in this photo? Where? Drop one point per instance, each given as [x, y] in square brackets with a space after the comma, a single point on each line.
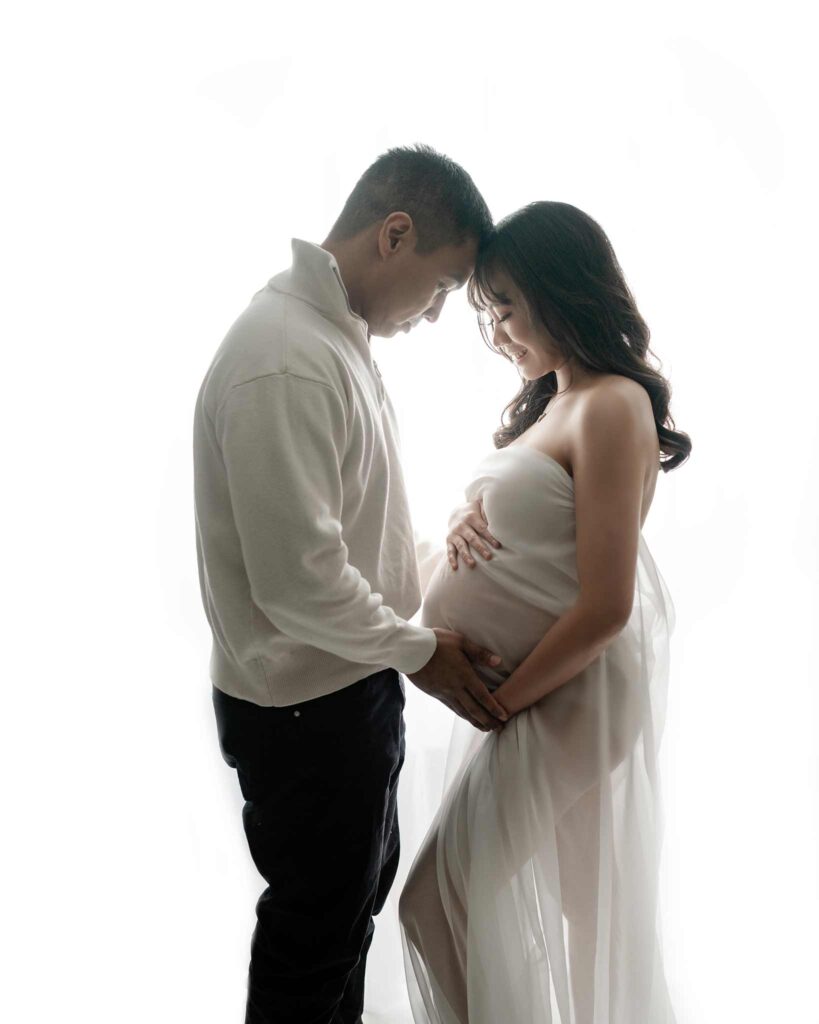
[158, 159]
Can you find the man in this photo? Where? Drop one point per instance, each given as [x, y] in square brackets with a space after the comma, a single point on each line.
[308, 574]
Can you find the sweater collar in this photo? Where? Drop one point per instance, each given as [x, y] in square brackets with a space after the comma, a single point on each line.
[315, 278]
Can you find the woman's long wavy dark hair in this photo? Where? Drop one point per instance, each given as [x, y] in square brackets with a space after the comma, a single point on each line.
[565, 268]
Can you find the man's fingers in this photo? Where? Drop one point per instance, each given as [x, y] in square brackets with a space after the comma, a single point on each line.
[480, 655]
[461, 712]
[482, 695]
[464, 706]
[458, 710]
[484, 719]
[452, 707]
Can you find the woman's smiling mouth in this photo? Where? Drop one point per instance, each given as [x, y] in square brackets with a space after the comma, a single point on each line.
[516, 354]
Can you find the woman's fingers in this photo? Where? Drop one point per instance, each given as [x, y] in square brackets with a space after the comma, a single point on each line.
[479, 503]
[481, 526]
[470, 531]
[472, 538]
[457, 545]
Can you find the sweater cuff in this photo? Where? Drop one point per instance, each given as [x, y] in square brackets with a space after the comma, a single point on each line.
[414, 647]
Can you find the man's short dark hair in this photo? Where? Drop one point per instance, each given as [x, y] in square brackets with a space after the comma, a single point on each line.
[437, 193]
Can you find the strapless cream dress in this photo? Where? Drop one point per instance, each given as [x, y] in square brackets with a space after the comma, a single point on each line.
[533, 897]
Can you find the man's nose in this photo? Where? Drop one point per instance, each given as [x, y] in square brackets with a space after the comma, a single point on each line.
[434, 310]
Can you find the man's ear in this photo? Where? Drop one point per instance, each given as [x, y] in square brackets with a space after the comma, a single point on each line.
[398, 227]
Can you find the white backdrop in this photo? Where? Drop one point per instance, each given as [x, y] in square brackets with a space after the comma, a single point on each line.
[159, 158]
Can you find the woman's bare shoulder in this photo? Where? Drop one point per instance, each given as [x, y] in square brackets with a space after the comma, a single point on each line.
[612, 393]
[618, 409]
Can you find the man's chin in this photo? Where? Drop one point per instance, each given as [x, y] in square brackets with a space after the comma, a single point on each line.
[389, 330]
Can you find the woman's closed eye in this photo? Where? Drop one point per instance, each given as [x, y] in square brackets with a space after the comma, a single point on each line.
[494, 323]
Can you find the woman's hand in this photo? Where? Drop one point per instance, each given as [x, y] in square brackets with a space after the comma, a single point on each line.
[469, 529]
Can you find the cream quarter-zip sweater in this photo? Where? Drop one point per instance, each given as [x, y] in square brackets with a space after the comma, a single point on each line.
[304, 542]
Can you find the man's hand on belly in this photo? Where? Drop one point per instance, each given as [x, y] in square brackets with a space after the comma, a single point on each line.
[449, 676]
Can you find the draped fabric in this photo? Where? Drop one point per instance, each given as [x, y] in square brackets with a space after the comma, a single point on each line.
[534, 896]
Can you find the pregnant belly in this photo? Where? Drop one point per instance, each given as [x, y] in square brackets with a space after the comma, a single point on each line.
[608, 695]
[484, 608]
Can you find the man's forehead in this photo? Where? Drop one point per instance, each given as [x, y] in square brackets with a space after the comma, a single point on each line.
[460, 264]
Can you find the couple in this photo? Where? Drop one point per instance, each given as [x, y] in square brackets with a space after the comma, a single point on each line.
[544, 627]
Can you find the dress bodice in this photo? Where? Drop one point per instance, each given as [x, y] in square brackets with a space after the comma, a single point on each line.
[528, 498]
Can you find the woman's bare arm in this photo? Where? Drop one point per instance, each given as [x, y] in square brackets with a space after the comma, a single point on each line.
[609, 464]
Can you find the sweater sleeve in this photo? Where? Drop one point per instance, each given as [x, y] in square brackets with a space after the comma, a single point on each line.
[283, 439]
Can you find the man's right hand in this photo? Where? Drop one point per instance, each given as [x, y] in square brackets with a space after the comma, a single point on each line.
[449, 676]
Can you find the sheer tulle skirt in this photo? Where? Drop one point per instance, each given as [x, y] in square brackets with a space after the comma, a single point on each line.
[534, 896]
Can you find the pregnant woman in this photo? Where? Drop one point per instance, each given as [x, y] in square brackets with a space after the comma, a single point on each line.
[533, 897]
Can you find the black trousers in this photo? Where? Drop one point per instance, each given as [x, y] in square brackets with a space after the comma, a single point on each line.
[320, 783]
